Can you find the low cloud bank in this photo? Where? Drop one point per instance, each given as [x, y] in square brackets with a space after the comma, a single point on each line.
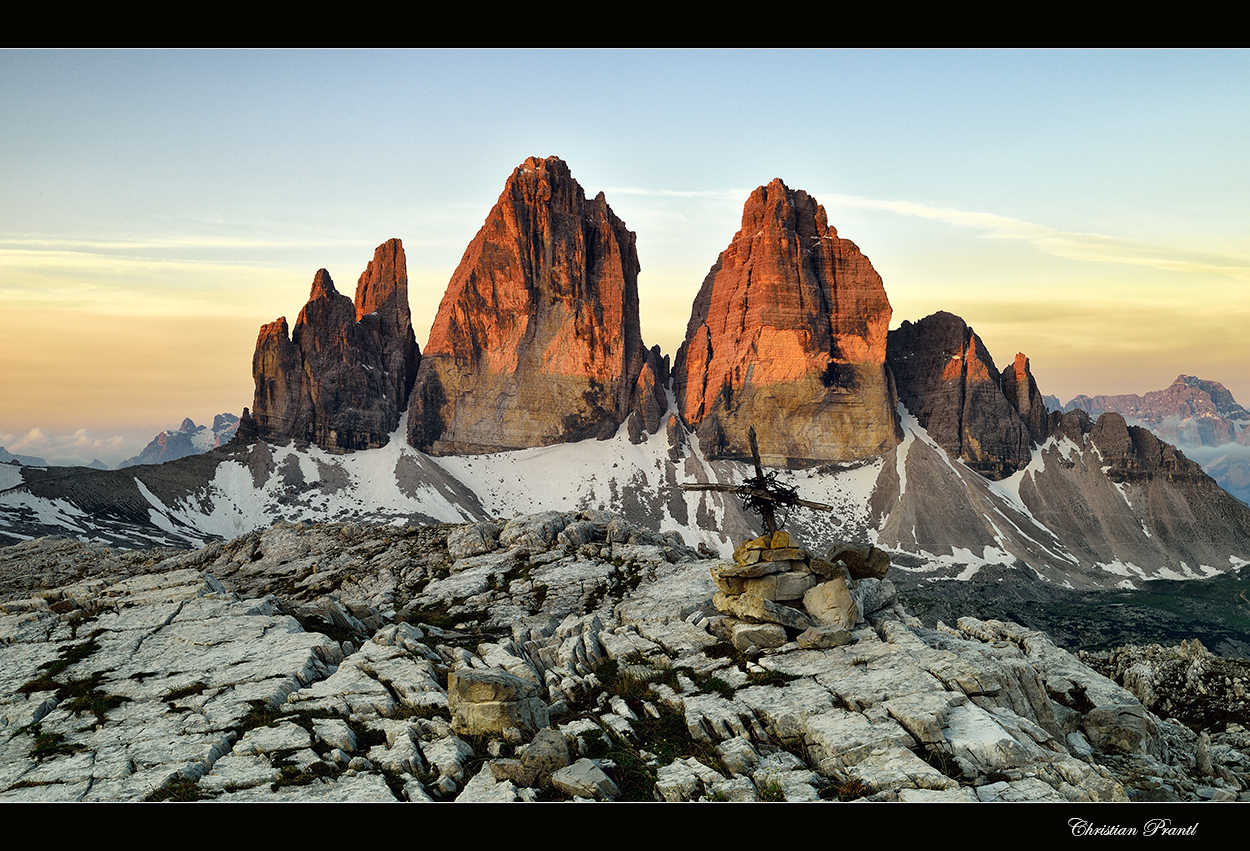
[79, 448]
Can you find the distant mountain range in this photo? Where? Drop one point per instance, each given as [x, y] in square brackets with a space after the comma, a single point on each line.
[1201, 417]
[7, 457]
[169, 445]
[188, 439]
[536, 392]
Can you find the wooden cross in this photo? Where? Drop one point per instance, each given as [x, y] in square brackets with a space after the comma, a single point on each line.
[763, 493]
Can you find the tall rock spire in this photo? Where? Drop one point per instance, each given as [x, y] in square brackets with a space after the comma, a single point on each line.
[382, 290]
[340, 378]
[1021, 391]
[788, 333]
[537, 339]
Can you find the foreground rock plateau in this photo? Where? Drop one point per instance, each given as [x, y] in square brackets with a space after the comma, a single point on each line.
[556, 656]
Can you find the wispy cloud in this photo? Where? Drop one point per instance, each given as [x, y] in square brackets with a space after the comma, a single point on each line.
[126, 283]
[735, 195]
[64, 244]
[1071, 245]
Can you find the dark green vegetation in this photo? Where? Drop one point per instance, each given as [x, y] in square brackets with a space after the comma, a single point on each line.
[50, 744]
[180, 789]
[1201, 691]
[624, 577]
[76, 695]
[264, 714]
[666, 737]
[1216, 611]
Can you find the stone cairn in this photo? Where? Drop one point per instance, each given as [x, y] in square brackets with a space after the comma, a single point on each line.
[775, 588]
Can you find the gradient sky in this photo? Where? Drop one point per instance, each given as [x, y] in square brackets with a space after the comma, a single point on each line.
[1091, 209]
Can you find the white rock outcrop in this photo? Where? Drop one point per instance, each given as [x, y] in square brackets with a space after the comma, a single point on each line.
[606, 669]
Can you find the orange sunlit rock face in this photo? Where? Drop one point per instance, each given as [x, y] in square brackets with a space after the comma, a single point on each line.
[341, 378]
[537, 338]
[788, 334]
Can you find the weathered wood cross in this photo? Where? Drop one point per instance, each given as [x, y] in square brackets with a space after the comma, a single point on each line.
[763, 493]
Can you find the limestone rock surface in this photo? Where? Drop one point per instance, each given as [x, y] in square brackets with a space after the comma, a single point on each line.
[788, 333]
[150, 678]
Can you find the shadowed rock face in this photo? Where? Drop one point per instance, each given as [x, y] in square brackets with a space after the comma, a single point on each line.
[1132, 453]
[341, 378]
[788, 334]
[382, 290]
[947, 379]
[1021, 391]
[537, 339]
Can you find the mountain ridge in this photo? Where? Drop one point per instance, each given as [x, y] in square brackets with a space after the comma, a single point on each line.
[1199, 416]
[554, 403]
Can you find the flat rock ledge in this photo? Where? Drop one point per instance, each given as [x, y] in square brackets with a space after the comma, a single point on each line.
[586, 660]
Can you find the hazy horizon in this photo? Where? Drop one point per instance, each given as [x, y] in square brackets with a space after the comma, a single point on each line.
[1086, 208]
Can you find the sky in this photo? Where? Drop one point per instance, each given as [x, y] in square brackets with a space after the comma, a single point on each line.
[1090, 209]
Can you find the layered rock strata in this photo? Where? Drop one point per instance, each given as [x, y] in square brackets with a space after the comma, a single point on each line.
[537, 339]
[947, 379]
[788, 333]
[341, 377]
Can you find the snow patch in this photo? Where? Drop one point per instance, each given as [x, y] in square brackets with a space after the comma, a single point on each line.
[965, 560]
[1121, 568]
[901, 452]
[10, 476]
[1066, 447]
[1166, 572]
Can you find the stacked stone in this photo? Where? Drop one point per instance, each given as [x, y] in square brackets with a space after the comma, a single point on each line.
[775, 585]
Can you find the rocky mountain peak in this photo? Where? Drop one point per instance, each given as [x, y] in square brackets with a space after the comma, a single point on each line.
[537, 338]
[1190, 411]
[1221, 397]
[341, 377]
[384, 279]
[322, 286]
[947, 379]
[788, 333]
[1020, 388]
[188, 439]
